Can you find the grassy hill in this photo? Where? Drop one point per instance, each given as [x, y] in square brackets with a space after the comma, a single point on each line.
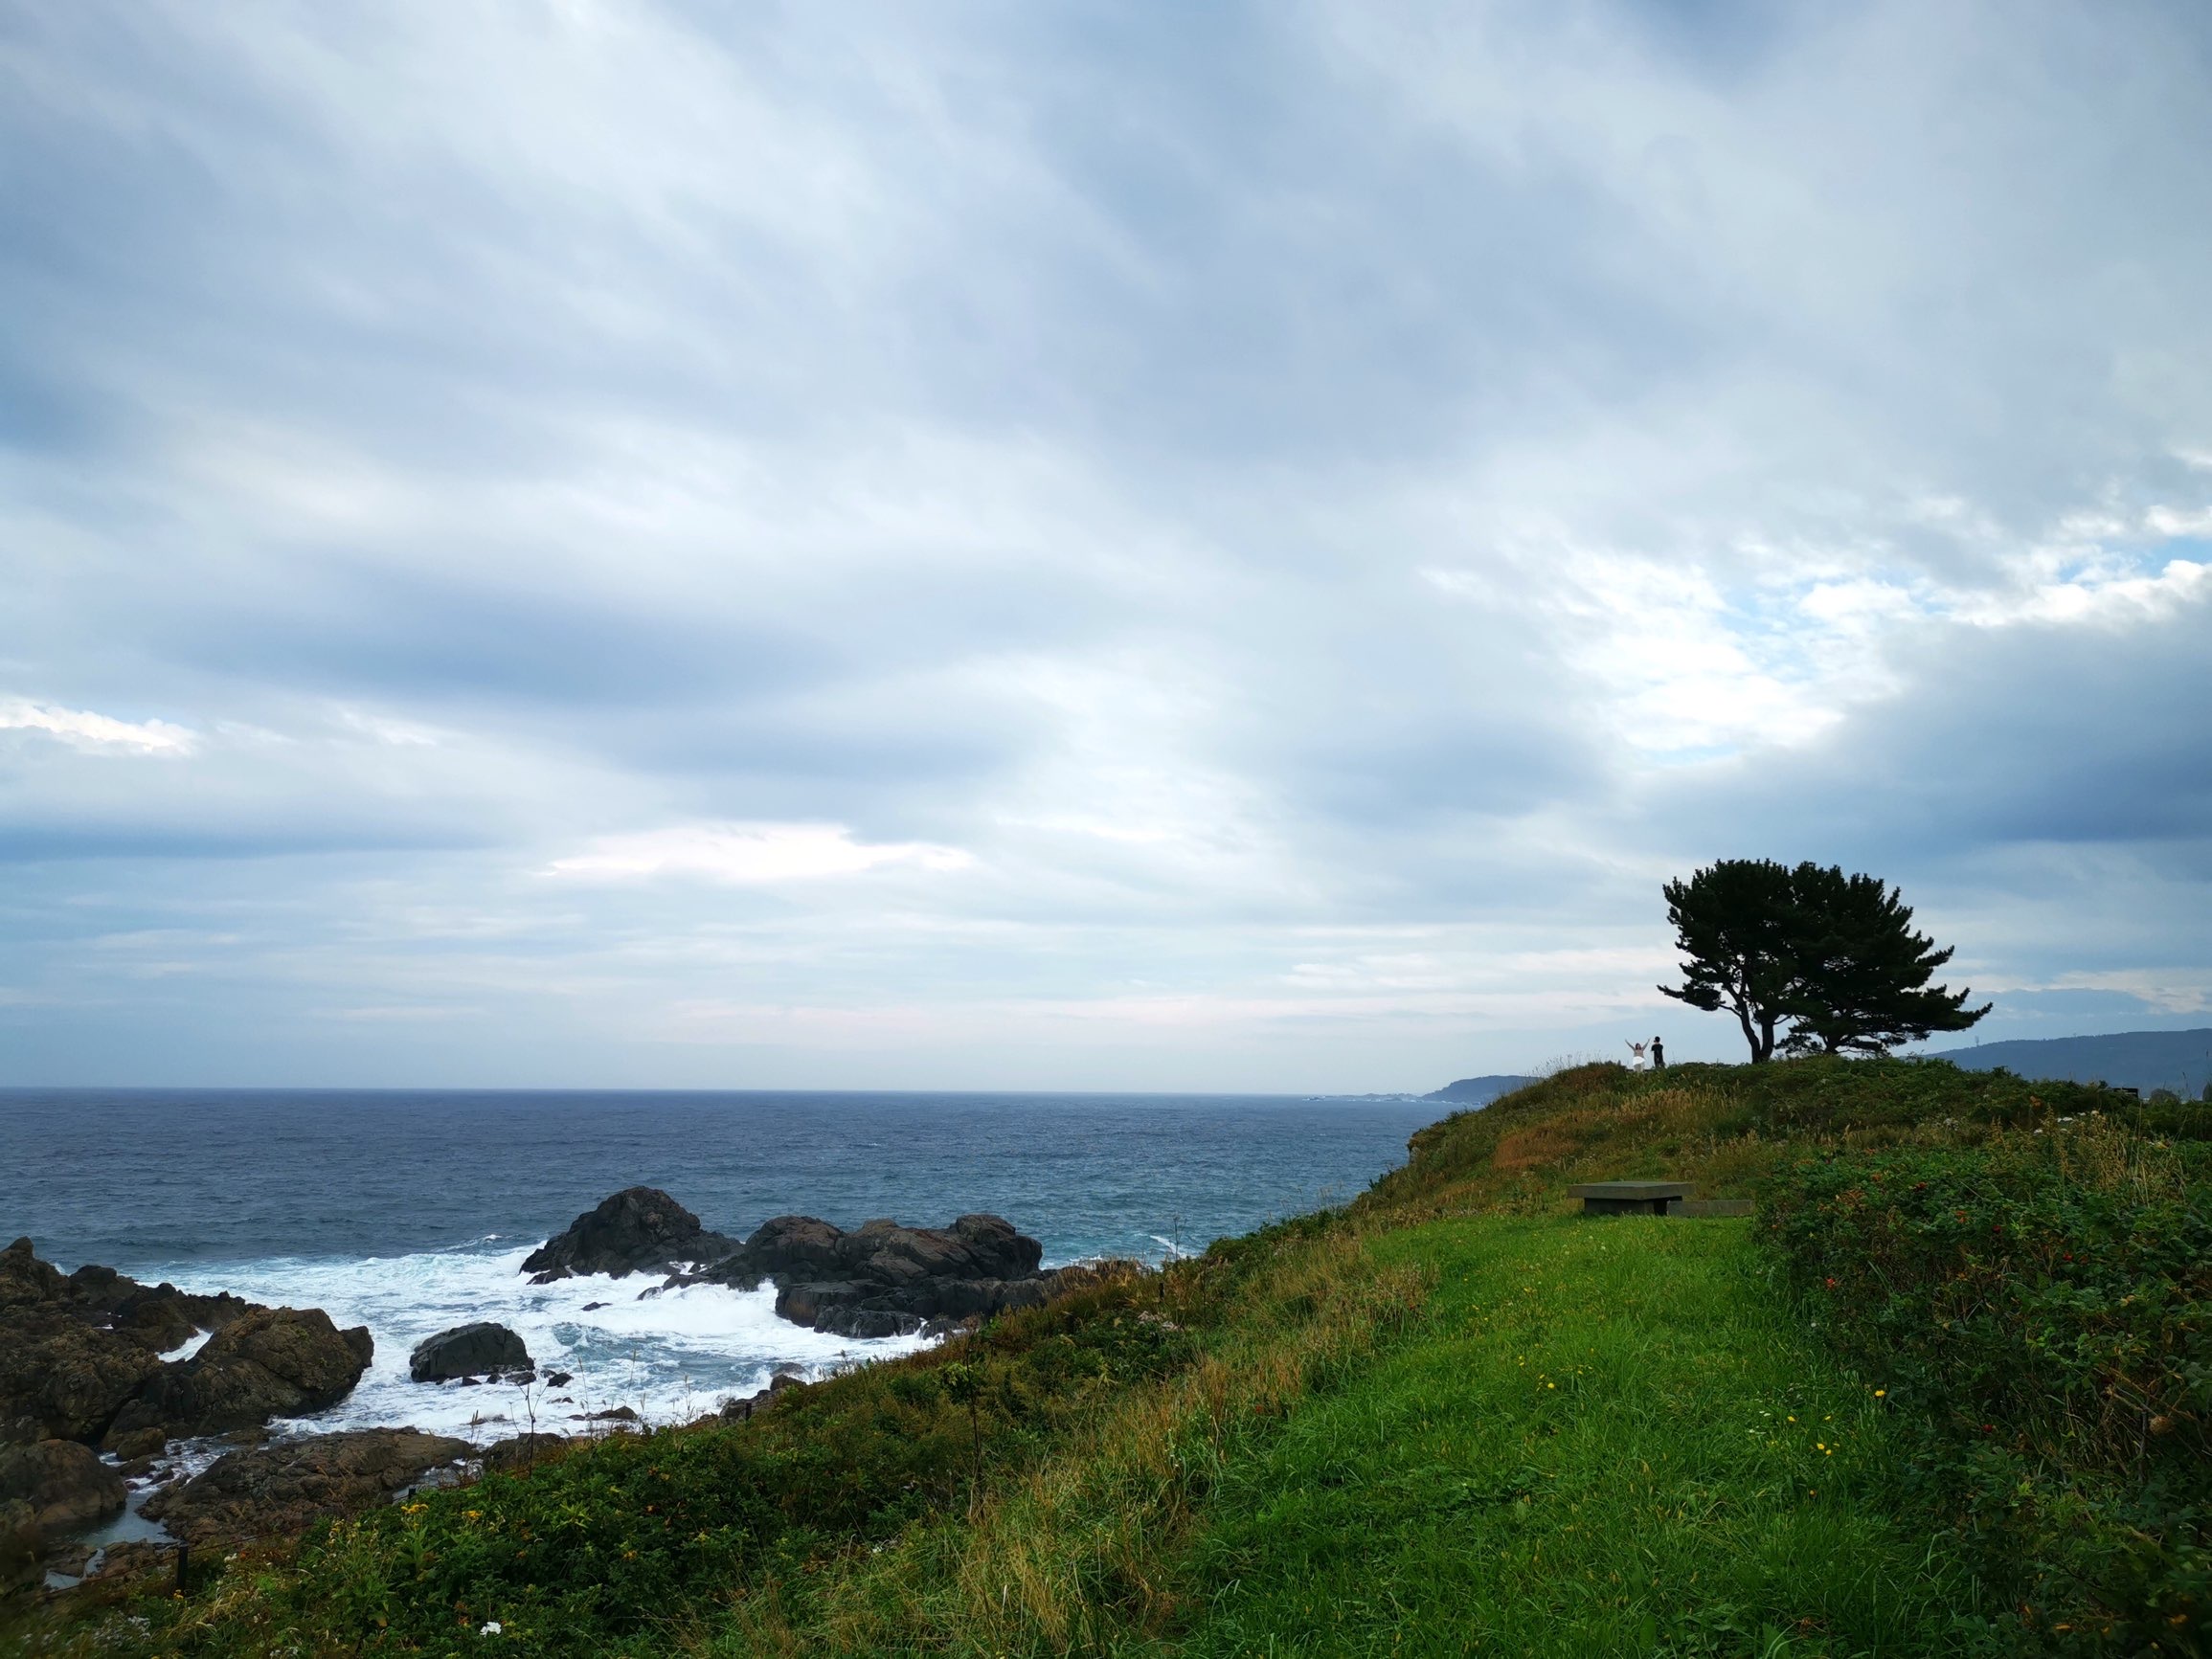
[1948, 1393]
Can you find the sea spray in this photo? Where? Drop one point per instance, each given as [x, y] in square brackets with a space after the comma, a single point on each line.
[667, 1354]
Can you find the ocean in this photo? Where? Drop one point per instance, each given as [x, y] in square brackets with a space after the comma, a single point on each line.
[411, 1211]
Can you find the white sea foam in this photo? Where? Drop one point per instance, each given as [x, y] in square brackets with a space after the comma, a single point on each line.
[669, 1356]
[188, 1347]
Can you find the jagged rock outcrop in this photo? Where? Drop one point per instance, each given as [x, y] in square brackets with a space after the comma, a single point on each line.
[887, 1279]
[75, 1347]
[63, 1482]
[738, 1411]
[271, 1362]
[522, 1451]
[63, 1378]
[280, 1489]
[161, 1315]
[638, 1229]
[477, 1349]
[881, 1280]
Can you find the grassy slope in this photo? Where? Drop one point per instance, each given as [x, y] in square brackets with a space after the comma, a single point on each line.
[1221, 1569]
[1607, 1438]
[1339, 1405]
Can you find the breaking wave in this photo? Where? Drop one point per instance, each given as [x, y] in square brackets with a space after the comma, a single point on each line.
[670, 1355]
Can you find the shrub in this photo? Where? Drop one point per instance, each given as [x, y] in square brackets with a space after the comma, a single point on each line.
[2040, 1306]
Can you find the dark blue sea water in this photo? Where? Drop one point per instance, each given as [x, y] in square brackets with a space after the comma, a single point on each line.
[410, 1211]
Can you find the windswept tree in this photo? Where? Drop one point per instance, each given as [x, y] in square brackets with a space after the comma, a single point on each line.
[1731, 923]
[1835, 957]
[1862, 975]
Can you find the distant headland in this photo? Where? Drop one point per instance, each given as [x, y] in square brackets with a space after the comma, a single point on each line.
[1479, 1090]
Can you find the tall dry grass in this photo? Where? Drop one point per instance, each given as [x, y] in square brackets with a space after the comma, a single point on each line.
[1081, 1553]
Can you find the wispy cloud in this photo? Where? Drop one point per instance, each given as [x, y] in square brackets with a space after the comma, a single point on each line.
[96, 733]
[748, 853]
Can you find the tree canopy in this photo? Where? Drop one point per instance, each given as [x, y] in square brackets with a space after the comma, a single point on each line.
[1835, 957]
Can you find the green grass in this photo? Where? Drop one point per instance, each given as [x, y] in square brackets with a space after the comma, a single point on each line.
[1450, 1417]
[1606, 1437]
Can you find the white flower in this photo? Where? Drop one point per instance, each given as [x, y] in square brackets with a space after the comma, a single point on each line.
[490, 1628]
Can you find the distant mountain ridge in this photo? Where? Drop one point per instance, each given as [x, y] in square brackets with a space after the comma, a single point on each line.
[2146, 1059]
[1479, 1090]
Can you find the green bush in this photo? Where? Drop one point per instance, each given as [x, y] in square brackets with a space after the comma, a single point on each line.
[2040, 1308]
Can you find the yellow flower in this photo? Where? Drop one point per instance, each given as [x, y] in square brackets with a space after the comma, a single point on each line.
[1879, 1393]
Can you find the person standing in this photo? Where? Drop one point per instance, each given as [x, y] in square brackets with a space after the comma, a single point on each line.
[1658, 1055]
[1636, 1063]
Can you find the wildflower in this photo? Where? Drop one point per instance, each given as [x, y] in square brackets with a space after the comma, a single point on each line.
[490, 1628]
[1880, 1393]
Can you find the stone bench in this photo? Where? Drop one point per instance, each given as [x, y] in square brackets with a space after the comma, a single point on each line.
[1651, 1199]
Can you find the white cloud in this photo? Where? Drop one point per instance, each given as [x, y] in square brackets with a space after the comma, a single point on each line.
[748, 853]
[96, 734]
[1039, 444]
[2090, 590]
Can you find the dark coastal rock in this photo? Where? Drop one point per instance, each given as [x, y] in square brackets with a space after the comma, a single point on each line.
[63, 1378]
[787, 1380]
[522, 1451]
[63, 1481]
[72, 1558]
[22, 1542]
[280, 1489]
[271, 1362]
[479, 1350]
[63, 1371]
[888, 1279]
[791, 1245]
[74, 1347]
[639, 1228]
[137, 1445]
[796, 1249]
[161, 1316]
[881, 1280]
[134, 1558]
[866, 1309]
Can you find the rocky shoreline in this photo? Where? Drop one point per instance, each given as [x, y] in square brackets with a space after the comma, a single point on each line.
[883, 1279]
[102, 1389]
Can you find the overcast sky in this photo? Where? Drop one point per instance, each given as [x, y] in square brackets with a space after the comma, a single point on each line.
[1080, 546]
